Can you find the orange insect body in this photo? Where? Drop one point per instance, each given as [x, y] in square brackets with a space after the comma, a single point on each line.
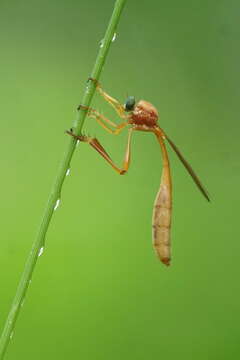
[144, 113]
[143, 116]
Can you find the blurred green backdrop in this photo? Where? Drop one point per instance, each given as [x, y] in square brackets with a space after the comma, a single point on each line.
[98, 291]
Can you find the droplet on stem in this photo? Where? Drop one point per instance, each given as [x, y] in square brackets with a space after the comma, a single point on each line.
[57, 204]
[40, 251]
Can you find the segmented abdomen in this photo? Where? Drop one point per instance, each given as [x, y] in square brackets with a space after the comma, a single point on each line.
[161, 224]
[161, 221]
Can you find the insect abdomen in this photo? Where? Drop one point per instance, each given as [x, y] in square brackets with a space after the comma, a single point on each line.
[161, 225]
[162, 210]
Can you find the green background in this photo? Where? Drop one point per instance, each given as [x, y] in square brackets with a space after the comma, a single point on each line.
[98, 291]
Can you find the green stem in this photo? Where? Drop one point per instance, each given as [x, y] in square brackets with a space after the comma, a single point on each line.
[55, 193]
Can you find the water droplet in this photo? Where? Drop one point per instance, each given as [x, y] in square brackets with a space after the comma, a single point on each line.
[87, 89]
[68, 171]
[11, 335]
[114, 37]
[40, 251]
[78, 141]
[57, 204]
[101, 43]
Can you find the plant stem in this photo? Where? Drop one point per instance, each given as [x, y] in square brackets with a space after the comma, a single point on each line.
[55, 193]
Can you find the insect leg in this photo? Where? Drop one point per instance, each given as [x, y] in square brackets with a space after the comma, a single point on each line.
[118, 107]
[91, 112]
[100, 149]
[102, 120]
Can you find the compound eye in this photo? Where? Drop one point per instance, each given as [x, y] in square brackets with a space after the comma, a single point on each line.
[130, 103]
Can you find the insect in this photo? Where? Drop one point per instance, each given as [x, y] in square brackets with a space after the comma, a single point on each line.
[142, 116]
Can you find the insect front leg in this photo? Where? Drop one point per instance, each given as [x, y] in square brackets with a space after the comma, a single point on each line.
[118, 107]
